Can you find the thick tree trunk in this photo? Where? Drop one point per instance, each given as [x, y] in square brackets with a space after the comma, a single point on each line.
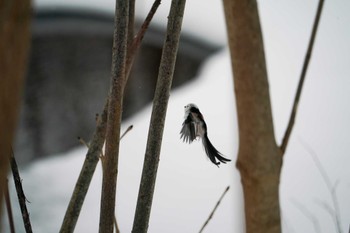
[14, 43]
[259, 158]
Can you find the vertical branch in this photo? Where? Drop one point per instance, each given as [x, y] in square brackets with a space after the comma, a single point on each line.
[131, 22]
[20, 194]
[114, 117]
[290, 125]
[160, 102]
[92, 157]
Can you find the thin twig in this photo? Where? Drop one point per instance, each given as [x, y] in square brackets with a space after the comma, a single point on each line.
[9, 208]
[20, 193]
[83, 142]
[288, 228]
[213, 211]
[308, 214]
[290, 125]
[330, 211]
[135, 45]
[126, 131]
[331, 188]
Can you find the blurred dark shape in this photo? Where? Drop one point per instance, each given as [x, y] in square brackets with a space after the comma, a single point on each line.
[68, 78]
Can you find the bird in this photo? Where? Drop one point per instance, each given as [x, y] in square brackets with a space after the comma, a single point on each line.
[194, 126]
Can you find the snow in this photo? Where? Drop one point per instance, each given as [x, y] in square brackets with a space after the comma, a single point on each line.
[188, 185]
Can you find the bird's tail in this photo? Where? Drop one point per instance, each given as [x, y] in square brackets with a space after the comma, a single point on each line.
[212, 152]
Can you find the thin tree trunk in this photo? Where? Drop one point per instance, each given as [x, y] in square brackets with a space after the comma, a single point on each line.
[87, 171]
[259, 158]
[95, 148]
[160, 103]
[15, 18]
[115, 108]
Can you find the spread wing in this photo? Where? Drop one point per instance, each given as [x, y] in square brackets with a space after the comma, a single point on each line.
[188, 131]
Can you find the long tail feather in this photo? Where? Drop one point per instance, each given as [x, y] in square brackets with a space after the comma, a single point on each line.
[212, 152]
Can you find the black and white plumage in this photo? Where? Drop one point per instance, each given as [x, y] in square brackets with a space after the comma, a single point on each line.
[194, 126]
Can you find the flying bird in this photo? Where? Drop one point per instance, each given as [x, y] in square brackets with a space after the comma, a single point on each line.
[194, 126]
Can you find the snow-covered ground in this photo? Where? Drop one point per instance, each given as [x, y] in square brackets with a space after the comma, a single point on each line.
[188, 185]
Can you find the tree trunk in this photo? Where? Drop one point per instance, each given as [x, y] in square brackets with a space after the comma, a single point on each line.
[156, 128]
[15, 18]
[114, 117]
[259, 158]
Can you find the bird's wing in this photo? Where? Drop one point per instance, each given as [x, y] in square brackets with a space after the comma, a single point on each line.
[188, 131]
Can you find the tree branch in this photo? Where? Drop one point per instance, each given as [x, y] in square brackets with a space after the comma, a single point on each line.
[331, 188]
[160, 103]
[308, 214]
[114, 117]
[85, 176]
[131, 22]
[20, 194]
[92, 158]
[213, 211]
[9, 209]
[136, 42]
[290, 125]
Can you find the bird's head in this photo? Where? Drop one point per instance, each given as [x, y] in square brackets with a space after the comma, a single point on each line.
[189, 106]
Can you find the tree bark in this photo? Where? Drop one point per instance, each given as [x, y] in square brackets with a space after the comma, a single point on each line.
[87, 171]
[15, 17]
[115, 108]
[259, 158]
[160, 104]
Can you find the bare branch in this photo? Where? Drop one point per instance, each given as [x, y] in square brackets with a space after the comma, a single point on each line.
[126, 131]
[135, 45]
[213, 211]
[20, 194]
[331, 188]
[308, 214]
[290, 125]
[160, 103]
[115, 109]
[86, 174]
[131, 22]
[330, 211]
[9, 209]
[89, 166]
